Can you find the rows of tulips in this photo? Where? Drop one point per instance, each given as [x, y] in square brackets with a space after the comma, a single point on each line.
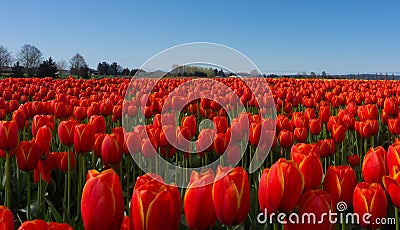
[66, 159]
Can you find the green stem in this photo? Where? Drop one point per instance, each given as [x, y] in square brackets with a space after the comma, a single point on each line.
[396, 214]
[69, 185]
[8, 198]
[276, 226]
[128, 173]
[65, 196]
[28, 195]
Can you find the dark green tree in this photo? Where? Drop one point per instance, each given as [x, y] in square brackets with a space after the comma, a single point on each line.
[48, 68]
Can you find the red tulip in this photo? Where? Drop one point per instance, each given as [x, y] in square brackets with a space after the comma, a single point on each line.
[60, 110]
[338, 133]
[371, 199]
[80, 113]
[155, 205]
[319, 203]
[340, 182]
[233, 154]
[41, 120]
[374, 165]
[372, 111]
[311, 168]
[282, 123]
[45, 165]
[99, 124]
[98, 142]
[231, 195]
[363, 129]
[394, 126]
[205, 141]
[280, 187]
[198, 202]
[64, 161]
[315, 126]
[220, 143]
[300, 134]
[19, 117]
[326, 147]
[393, 156]
[391, 106]
[111, 150]
[149, 147]
[43, 139]
[221, 124]
[286, 138]
[66, 132]
[133, 142]
[392, 185]
[27, 156]
[190, 122]
[83, 138]
[353, 160]
[8, 135]
[6, 218]
[102, 202]
[324, 113]
[34, 225]
[255, 133]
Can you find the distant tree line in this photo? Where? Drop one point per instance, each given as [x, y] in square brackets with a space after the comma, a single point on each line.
[29, 62]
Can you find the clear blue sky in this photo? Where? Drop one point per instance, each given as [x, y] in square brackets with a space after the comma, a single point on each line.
[335, 36]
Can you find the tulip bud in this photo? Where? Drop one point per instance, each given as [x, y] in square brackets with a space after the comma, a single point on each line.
[198, 202]
[27, 156]
[102, 202]
[338, 133]
[324, 113]
[154, 204]
[111, 150]
[66, 132]
[370, 198]
[190, 122]
[8, 135]
[99, 124]
[280, 187]
[286, 138]
[374, 165]
[300, 134]
[64, 161]
[315, 126]
[231, 195]
[83, 138]
[340, 182]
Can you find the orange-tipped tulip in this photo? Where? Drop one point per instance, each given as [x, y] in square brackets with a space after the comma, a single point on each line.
[340, 182]
[83, 138]
[231, 195]
[27, 156]
[8, 135]
[374, 165]
[66, 132]
[392, 185]
[198, 202]
[155, 205]
[280, 187]
[102, 201]
[111, 150]
[371, 199]
[6, 218]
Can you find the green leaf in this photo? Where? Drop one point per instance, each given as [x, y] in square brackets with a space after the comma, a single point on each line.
[54, 211]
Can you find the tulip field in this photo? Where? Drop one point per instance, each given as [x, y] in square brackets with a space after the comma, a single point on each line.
[95, 154]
